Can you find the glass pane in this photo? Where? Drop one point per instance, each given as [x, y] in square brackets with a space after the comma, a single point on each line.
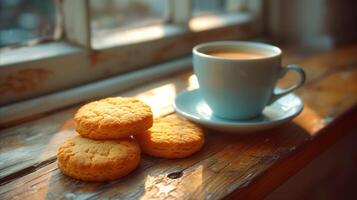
[24, 20]
[209, 7]
[126, 14]
[206, 7]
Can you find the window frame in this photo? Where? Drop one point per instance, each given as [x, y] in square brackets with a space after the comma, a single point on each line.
[60, 62]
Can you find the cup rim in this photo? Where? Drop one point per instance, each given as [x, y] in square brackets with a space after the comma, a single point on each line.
[276, 50]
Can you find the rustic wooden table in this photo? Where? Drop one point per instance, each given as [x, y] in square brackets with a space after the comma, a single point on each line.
[249, 166]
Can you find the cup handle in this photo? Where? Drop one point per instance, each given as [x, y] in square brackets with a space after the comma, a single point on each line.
[283, 71]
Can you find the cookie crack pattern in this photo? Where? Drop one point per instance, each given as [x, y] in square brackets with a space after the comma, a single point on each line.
[98, 160]
[171, 137]
[113, 118]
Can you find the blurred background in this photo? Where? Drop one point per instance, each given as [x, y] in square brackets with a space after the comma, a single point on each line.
[313, 23]
[26, 20]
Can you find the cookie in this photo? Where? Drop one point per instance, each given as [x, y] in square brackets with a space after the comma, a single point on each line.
[171, 137]
[113, 118]
[98, 160]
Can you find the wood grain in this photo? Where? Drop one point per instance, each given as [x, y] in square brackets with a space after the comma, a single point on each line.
[247, 167]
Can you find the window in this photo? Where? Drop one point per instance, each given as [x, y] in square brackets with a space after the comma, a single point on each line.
[104, 38]
[209, 7]
[118, 22]
[22, 21]
[206, 7]
[124, 14]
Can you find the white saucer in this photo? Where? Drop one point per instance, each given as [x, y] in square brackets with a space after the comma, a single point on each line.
[191, 105]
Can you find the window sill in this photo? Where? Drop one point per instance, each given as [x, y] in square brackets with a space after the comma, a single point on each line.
[90, 91]
[114, 38]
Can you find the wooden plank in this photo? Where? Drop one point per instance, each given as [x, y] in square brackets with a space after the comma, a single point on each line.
[26, 146]
[215, 164]
[335, 93]
[226, 163]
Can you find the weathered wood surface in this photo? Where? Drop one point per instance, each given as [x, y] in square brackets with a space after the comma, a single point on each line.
[228, 166]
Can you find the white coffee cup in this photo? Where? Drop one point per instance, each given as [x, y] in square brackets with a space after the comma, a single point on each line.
[240, 88]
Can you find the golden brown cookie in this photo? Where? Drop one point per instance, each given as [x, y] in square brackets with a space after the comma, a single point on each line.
[98, 160]
[171, 137]
[113, 118]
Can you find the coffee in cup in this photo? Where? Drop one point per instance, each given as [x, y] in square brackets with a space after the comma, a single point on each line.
[234, 54]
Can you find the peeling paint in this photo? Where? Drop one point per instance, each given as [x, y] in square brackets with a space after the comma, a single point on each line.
[24, 80]
[96, 57]
[124, 57]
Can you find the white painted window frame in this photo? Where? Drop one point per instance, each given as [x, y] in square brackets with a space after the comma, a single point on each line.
[75, 61]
